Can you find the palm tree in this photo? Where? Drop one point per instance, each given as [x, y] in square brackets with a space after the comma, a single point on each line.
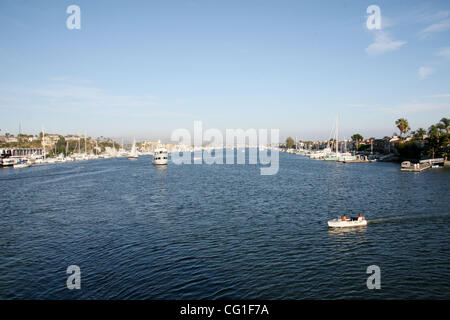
[446, 123]
[434, 138]
[402, 125]
[357, 138]
[419, 133]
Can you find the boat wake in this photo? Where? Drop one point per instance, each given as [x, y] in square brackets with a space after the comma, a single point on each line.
[401, 218]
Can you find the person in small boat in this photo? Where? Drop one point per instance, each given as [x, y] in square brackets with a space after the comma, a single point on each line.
[360, 217]
[344, 218]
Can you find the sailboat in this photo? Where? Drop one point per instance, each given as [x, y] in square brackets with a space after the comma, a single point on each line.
[133, 155]
[335, 156]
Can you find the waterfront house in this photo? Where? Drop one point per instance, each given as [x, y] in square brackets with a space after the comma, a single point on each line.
[50, 140]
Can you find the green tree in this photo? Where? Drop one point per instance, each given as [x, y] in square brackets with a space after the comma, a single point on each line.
[402, 125]
[446, 124]
[61, 145]
[410, 150]
[419, 134]
[290, 142]
[433, 140]
[357, 137]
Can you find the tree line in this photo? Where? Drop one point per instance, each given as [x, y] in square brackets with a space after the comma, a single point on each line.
[434, 142]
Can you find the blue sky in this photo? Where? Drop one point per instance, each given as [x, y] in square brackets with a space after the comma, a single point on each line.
[145, 68]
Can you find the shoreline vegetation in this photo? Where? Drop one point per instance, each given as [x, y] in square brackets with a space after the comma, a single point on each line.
[406, 146]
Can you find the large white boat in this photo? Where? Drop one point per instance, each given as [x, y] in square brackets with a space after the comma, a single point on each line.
[160, 156]
[320, 154]
[346, 156]
[61, 158]
[347, 222]
[8, 162]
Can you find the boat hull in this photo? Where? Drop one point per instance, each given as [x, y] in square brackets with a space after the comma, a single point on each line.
[160, 156]
[346, 224]
[21, 165]
[161, 162]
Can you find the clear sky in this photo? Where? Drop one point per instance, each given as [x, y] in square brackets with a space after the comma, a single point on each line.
[145, 68]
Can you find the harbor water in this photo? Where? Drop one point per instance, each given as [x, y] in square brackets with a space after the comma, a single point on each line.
[139, 231]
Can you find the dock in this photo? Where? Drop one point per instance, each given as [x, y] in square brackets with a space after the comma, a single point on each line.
[440, 161]
[416, 167]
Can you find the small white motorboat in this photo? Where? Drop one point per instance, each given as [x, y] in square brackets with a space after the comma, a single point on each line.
[347, 222]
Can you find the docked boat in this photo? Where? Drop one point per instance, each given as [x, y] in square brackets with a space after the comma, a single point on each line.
[8, 162]
[357, 159]
[334, 156]
[160, 156]
[320, 154]
[414, 167]
[21, 165]
[60, 158]
[347, 222]
[346, 157]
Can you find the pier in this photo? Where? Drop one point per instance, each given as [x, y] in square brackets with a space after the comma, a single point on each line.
[433, 161]
[415, 167]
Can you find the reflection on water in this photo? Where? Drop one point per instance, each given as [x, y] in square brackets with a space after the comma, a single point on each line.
[140, 231]
[161, 168]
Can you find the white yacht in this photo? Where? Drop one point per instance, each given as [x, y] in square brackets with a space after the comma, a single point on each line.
[160, 156]
[320, 154]
[346, 156]
[8, 162]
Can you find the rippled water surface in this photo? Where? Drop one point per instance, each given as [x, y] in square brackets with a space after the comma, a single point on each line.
[222, 231]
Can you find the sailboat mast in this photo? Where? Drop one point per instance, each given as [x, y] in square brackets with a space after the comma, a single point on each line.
[337, 134]
[43, 140]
